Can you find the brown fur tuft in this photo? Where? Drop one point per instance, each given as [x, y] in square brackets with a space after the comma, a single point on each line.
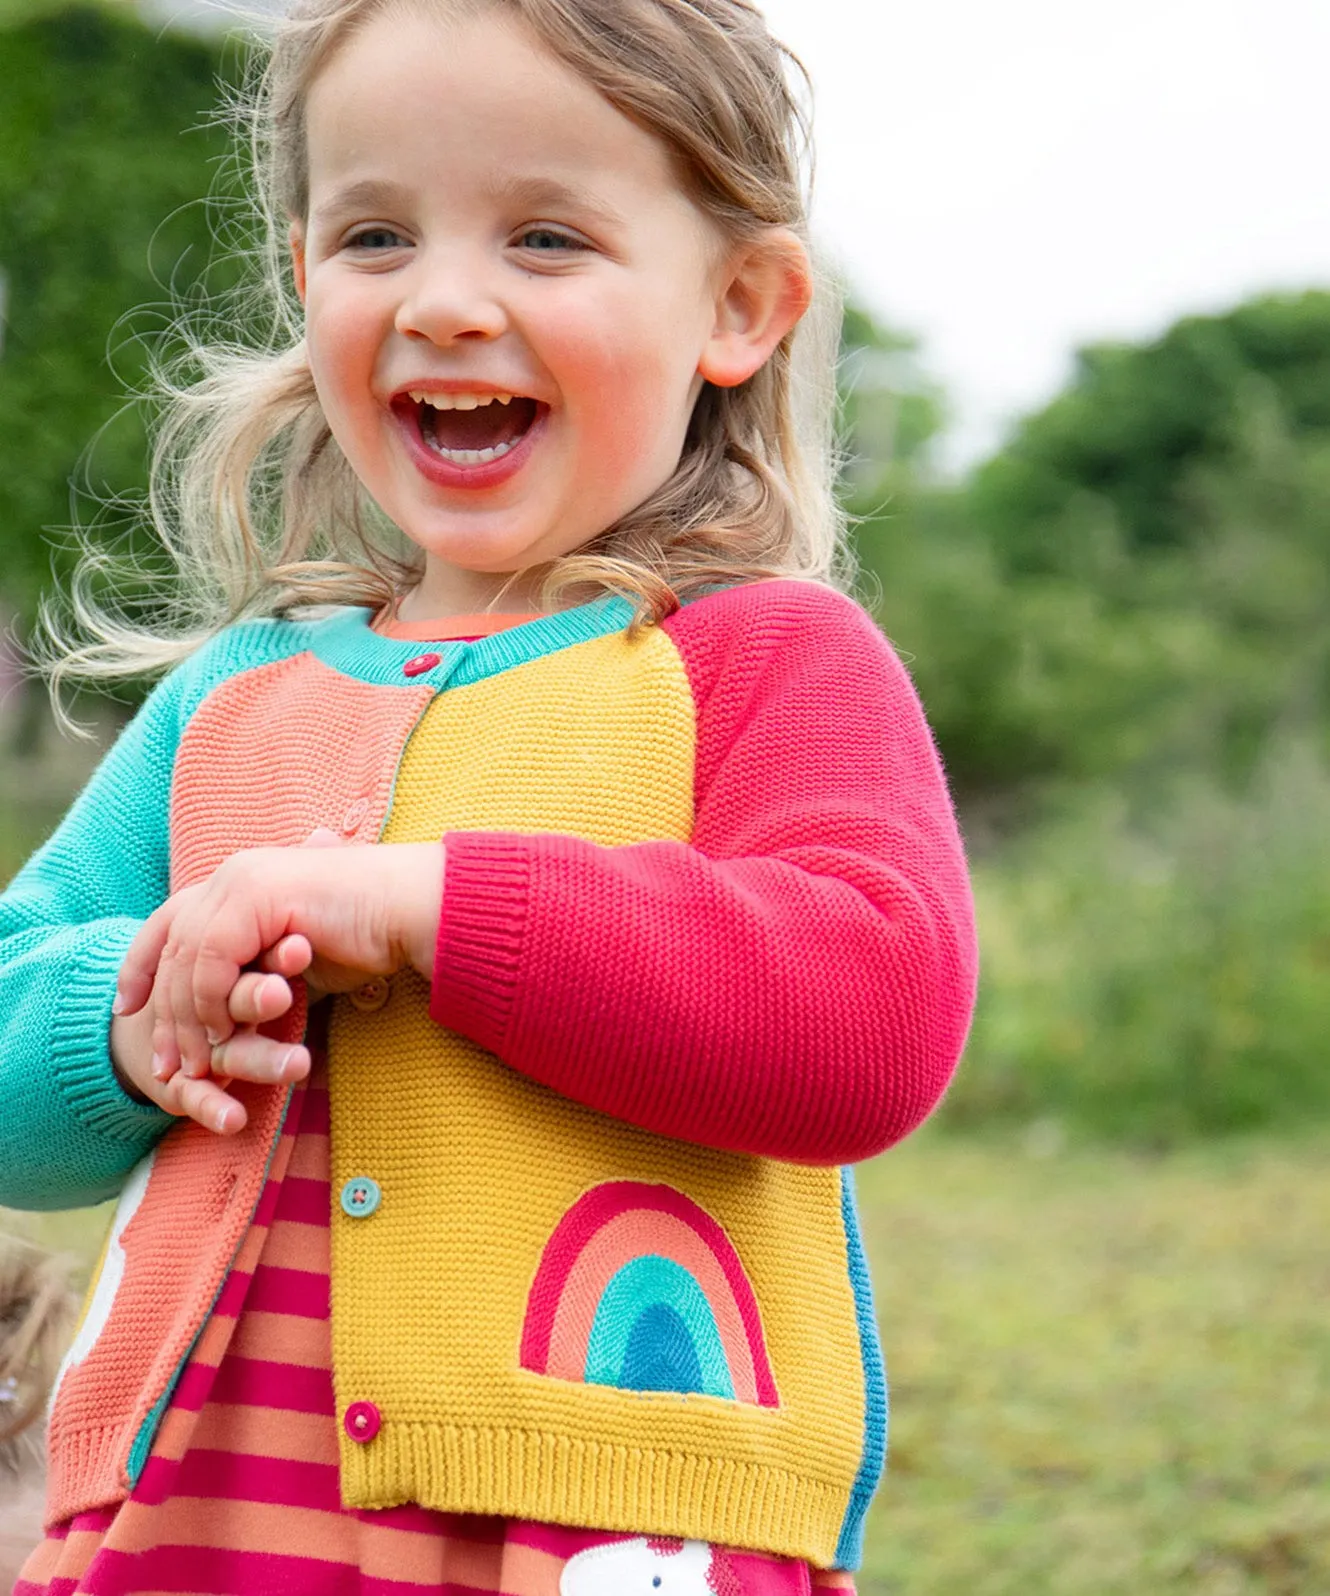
[36, 1312]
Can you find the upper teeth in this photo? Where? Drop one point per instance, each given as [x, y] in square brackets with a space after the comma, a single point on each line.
[458, 401]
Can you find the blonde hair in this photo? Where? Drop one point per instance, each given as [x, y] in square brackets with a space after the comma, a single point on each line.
[256, 505]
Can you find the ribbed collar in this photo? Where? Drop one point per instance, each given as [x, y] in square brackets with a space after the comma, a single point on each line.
[346, 643]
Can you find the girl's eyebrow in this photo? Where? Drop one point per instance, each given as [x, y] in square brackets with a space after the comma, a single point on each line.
[542, 191]
[369, 193]
[375, 193]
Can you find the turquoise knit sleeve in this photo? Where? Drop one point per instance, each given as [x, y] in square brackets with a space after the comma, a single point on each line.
[68, 1134]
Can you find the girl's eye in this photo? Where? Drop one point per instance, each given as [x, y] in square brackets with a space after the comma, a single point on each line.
[374, 238]
[549, 241]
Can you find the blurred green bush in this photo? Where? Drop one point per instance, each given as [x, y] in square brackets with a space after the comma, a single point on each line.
[1155, 971]
[107, 149]
[1120, 652]
[1135, 712]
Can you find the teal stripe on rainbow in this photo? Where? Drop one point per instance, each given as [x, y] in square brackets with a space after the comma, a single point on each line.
[671, 1345]
[641, 1289]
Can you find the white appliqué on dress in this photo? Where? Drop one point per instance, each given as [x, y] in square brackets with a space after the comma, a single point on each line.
[637, 1568]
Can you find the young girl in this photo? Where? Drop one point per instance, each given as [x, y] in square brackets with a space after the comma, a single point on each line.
[603, 837]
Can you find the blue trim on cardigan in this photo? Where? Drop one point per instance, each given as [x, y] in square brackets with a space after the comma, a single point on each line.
[141, 1449]
[850, 1546]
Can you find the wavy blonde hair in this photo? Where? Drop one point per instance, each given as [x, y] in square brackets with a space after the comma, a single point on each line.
[257, 507]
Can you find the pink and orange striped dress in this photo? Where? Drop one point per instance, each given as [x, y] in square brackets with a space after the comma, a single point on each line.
[240, 1493]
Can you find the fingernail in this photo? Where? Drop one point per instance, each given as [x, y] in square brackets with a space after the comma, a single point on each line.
[214, 1038]
[117, 1004]
[286, 1067]
[158, 1067]
[224, 1118]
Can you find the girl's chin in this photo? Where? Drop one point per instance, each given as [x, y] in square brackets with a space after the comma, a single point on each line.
[469, 550]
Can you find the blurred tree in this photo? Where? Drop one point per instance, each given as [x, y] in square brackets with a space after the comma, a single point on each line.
[105, 153]
[1137, 420]
[1131, 585]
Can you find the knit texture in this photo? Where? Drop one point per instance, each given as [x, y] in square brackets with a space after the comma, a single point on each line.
[705, 935]
[794, 976]
[69, 1135]
[243, 1481]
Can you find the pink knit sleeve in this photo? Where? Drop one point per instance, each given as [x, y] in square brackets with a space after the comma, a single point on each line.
[798, 980]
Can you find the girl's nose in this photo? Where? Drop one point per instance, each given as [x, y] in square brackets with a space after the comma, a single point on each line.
[447, 300]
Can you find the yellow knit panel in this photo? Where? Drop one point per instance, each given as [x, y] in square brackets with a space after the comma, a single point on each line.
[477, 1166]
[593, 741]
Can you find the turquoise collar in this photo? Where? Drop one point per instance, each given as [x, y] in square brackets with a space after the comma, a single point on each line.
[345, 642]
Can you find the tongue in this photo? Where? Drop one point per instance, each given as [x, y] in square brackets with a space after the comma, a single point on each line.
[482, 428]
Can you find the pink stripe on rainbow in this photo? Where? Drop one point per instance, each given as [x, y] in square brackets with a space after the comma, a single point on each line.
[605, 1229]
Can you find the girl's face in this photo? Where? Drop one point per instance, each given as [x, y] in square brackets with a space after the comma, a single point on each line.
[511, 305]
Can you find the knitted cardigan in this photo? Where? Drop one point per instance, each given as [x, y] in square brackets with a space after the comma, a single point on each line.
[706, 937]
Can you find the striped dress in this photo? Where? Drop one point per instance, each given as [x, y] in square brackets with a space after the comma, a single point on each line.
[240, 1493]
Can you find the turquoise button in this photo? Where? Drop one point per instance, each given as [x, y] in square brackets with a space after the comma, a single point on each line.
[360, 1197]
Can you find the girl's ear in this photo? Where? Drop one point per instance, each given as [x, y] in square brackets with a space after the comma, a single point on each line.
[297, 238]
[765, 289]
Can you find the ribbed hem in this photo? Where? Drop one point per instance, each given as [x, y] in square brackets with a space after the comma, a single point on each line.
[593, 1485]
[86, 1470]
[486, 885]
[80, 1041]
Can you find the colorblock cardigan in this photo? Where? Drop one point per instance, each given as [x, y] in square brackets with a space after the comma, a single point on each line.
[706, 938]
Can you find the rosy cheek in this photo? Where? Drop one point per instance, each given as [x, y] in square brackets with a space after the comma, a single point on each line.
[610, 364]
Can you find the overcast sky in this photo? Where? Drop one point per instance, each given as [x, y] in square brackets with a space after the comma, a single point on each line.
[1009, 180]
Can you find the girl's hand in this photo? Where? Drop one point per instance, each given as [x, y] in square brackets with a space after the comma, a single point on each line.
[257, 998]
[361, 910]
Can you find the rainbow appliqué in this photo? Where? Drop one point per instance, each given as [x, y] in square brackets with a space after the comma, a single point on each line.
[641, 1289]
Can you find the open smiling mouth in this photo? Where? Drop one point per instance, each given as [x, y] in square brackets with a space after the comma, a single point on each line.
[471, 429]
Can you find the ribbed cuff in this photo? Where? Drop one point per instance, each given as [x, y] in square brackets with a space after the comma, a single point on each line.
[80, 1040]
[486, 888]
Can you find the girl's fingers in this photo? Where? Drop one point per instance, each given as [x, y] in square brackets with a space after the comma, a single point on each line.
[187, 1025]
[290, 957]
[247, 1056]
[231, 935]
[138, 969]
[257, 998]
[189, 955]
[166, 1059]
[205, 1101]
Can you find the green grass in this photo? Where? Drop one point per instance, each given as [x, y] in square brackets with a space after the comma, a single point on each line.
[1110, 1373]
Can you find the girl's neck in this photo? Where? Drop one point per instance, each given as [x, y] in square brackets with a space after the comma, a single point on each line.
[444, 594]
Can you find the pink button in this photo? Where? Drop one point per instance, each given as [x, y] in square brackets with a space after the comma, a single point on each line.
[355, 813]
[420, 664]
[361, 1421]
